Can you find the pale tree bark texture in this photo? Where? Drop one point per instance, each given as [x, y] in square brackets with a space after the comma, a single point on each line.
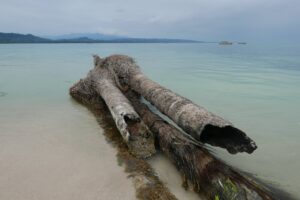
[101, 81]
[195, 120]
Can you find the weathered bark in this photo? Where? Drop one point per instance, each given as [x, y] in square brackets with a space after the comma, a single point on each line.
[201, 124]
[101, 81]
[206, 174]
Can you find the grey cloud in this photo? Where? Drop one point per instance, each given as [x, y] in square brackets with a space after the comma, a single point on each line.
[195, 19]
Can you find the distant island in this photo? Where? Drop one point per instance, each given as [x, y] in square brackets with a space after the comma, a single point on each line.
[6, 38]
[231, 43]
[225, 43]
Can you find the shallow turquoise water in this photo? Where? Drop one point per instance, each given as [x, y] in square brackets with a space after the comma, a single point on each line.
[254, 86]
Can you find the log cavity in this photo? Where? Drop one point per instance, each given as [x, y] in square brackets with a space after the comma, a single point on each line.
[231, 138]
[130, 119]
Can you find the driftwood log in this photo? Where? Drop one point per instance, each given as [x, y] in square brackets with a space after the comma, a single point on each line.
[101, 81]
[195, 120]
[202, 171]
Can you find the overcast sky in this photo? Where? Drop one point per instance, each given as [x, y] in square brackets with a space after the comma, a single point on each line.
[208, 20]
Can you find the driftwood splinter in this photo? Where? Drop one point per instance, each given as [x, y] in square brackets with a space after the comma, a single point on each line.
[201, 124]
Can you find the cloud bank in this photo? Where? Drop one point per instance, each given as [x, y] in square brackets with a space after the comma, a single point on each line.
[191, 19]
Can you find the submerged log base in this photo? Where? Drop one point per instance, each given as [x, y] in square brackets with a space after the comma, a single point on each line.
[201, 124]
[147, 184]
[100, 83]
[203, 172]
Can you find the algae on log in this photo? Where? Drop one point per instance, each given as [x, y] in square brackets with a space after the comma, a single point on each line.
[206, 174]
[201, 124]
[101, 81]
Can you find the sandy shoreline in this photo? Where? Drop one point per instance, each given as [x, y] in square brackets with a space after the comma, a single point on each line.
[60, 152]
[44, 154]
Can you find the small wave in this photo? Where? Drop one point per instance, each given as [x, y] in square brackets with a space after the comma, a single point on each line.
[2, 94]
[5, 65]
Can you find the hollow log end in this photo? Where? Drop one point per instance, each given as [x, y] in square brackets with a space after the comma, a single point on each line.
[228, 137]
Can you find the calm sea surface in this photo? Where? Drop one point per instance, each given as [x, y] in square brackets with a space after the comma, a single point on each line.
[256, 87]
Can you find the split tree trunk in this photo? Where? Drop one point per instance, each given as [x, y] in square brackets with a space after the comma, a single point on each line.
[201, 124]
[101, 81]
[206, 174]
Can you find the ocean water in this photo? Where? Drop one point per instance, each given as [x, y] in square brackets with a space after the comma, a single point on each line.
[45, 135]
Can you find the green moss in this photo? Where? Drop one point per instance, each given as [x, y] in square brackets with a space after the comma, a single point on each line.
[120, 161]
[231, 186]
[230, 190]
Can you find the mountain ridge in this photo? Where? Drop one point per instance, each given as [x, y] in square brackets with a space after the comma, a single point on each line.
[30, 38]
[94, 36]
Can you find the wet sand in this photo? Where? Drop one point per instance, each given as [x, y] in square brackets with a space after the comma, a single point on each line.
[169, 175]
[46, 154]
[60, 152]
